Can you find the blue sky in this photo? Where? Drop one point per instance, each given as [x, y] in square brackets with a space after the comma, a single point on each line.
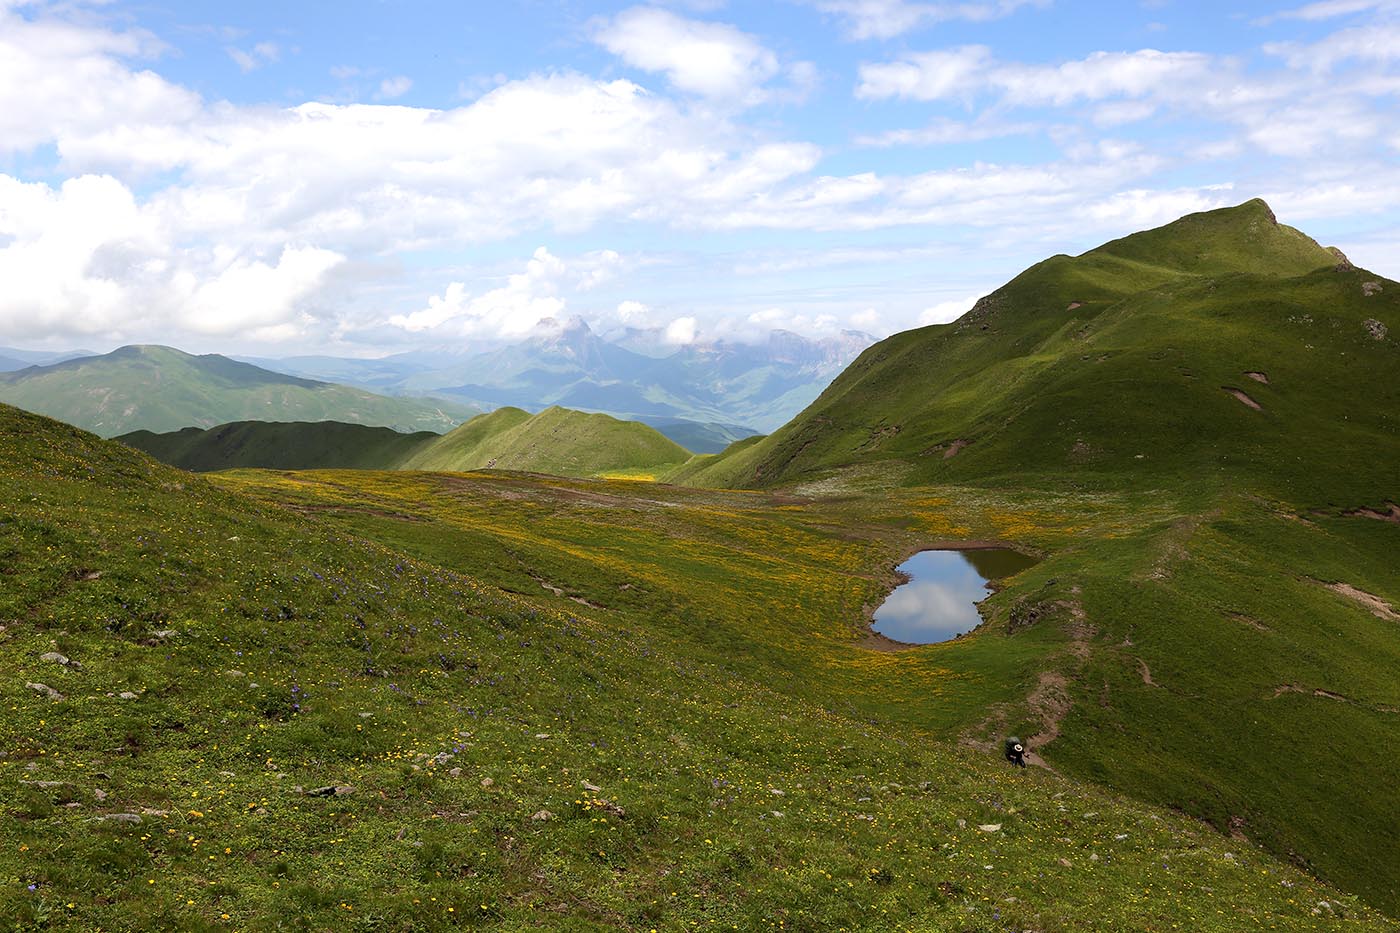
[363, 178]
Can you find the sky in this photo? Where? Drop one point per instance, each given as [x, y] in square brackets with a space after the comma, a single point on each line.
[363, 178]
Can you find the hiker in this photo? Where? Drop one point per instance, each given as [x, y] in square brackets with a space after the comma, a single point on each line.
[1015, 751]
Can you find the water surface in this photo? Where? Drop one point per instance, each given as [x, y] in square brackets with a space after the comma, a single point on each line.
[940, 600]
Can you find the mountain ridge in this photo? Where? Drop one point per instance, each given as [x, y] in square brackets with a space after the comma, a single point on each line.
[161, 388]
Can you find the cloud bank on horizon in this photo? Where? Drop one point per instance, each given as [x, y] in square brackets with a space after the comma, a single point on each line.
[437, 178]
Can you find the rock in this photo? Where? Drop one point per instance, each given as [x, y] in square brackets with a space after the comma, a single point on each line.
[592, 788]
[1066, 863]
[541, 735]
[163, 634]
[777, 813]
[1370, 288]
[126, 695]
[990, 827]
[442, 758]
[542, 816]
[99, 794]
[121, 818]
[1375, 328]
[46, 690]
[487, 783]
[777, 793]
[57, 658]
[331, 790]
[455, 772]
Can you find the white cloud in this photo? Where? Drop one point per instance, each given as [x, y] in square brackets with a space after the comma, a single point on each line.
[58, 79]
[393, 88]
[1375, 42]
[681, 332]
[88, 259]
[950, 310]
[710, 59]
[542, 290]
[885, 19]
[1327, 9]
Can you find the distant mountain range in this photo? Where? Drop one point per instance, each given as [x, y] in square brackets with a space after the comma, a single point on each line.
[556, 441]
[704, 395]
[162, 389]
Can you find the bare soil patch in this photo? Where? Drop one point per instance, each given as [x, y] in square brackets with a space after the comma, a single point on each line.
[1378, 607]
[1259, 377]
[1392, 515]
[1243, 397]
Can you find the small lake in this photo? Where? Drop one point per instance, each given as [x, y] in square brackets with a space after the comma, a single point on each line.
[940, 599]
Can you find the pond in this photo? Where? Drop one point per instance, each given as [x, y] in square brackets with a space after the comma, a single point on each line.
[940, 600]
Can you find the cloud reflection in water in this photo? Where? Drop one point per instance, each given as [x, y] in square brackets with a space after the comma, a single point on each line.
[940, 600]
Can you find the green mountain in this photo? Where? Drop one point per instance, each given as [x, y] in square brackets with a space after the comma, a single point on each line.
[1222, 348]
[556, 441]
[1231, 649]
[161, 389]
[225, 713]
[275, 445]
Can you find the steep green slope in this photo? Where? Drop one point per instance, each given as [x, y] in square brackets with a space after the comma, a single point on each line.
[275, 445]
[222, 714]
[557, 441]
[161, 389]
[1138, 362]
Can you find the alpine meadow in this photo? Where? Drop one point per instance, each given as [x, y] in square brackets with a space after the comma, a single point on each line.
[436, 589]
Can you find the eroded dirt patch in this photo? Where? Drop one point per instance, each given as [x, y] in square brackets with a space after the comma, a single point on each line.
[1243, 397]
[1259, 377]
[1378, 607]
[1391, 515]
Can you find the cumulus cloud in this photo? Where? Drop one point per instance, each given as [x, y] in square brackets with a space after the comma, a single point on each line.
[681, 332]
[541, 290]
[705, 58]
[88, 259]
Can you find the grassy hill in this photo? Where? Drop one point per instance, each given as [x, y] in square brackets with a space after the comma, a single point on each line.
[1232, 652]
[161, 389]
[298, 445]
[556, 441]
[1221, 349]
[227, 713]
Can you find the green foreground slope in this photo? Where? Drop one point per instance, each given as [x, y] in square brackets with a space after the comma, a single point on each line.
[162, 389]
[223, 714]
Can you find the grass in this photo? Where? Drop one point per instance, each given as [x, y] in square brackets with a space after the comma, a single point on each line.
[266, 650]
[1116, 376]
[556, 441]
